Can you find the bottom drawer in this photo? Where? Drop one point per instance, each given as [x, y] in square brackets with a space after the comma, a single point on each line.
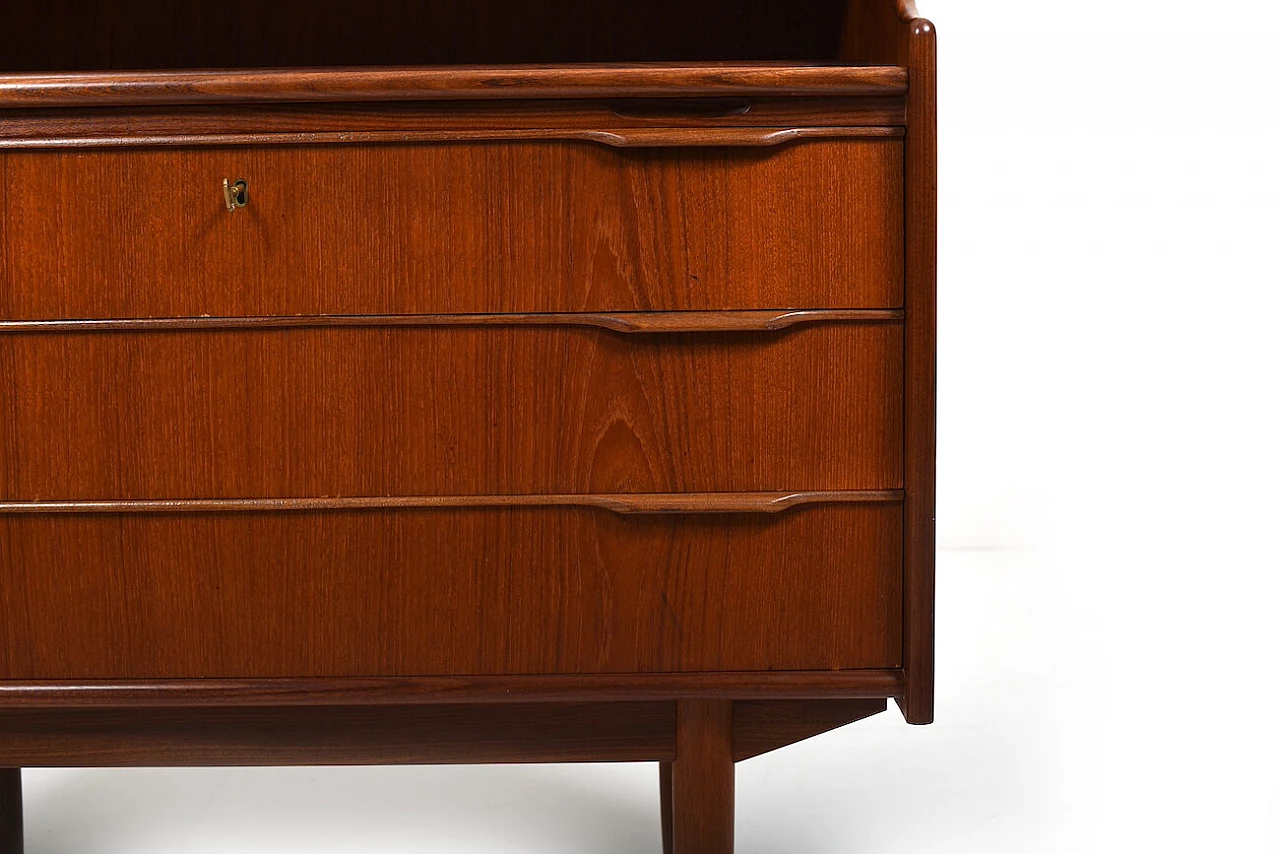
[447, 591]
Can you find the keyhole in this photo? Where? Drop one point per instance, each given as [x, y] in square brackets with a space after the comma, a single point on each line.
[236, 194]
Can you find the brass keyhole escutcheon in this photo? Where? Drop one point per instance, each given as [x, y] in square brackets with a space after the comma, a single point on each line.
[236, 194]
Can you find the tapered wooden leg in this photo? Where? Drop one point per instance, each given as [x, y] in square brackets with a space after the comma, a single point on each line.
[664, 788]
[701, 779]
[10, 811]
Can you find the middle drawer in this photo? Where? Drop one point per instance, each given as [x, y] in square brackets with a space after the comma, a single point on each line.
[379, 411]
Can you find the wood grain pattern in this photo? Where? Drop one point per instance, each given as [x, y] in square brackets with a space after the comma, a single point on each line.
[702, 779]
[505, 82]
[339, 412]
[532, 410]
[921, 366]
[448, 592]
[341, 735]
[61, 35]
[388, 691]
[11, 841]
[451, 229]
[303, 123]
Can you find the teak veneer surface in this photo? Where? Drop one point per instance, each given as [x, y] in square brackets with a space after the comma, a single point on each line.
[294, 413]
[451, 228]
[448, 592]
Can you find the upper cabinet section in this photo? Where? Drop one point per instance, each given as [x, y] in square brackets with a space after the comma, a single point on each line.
[151, 72]
[103, 35]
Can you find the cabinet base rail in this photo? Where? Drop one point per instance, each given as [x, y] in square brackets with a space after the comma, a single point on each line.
[410, 690]
[696, 743]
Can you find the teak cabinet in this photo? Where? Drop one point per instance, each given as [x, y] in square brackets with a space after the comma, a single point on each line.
[409, 382]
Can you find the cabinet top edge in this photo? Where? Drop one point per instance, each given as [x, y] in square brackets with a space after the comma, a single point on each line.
[447, 83]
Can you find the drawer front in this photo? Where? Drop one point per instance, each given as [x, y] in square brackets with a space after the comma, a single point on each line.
[451, 228]
[447, 592]
[262, 413]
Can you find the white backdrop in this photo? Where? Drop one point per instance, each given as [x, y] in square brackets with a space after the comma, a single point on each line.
[1107, 505]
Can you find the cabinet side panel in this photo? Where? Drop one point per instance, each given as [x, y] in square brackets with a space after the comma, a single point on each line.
[921, 368]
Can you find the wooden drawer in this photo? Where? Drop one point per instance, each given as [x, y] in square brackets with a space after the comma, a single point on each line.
[447, 410]
[451, 228]
[462, 591]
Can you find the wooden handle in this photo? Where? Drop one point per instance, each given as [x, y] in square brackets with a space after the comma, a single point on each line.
[627, 322]
[687, 137]
[725, 137]
[622, 504]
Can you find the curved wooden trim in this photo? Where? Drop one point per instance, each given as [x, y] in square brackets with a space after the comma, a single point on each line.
[634, 323]
[360, 691]
[295, 85]
[683, 137]
[626, 505]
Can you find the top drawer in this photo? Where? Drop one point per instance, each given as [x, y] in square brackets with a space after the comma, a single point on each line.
[446, 228]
